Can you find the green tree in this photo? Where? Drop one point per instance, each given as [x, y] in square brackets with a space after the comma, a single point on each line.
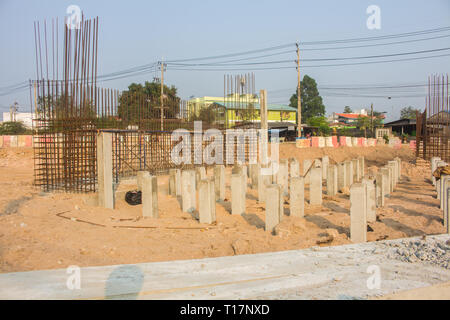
[408, 113]
[13, 127]
[312, 104]
[347, 109]
[144, 101]
[321, 123]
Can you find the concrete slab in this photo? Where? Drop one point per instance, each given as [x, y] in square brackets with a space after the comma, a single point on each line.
[336, 272]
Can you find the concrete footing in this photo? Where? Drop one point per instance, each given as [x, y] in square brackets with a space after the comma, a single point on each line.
[272, 207]
[219, 182]
[362, 166]
[358, 217]
[105, 172]
[325, 164]
[349, 173]
[263, 182]
[283, 176]
[393, 167]
[200, 174]
[332, 180]
[356, 175]
[342, 175]
[380, 183]
[175, 182]
[294, 167]
[434, 161]
[237, 193]
[188, 196]
[306, 165]
[206, 201]
[149, 196]
[371, 211]
[315, 187]
[297, 197]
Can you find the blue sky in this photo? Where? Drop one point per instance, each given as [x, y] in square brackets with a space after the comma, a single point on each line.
[134, 33]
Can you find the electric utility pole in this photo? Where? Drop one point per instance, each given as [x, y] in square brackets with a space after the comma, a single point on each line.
[299, 101]
[162, 67]
[371, 119]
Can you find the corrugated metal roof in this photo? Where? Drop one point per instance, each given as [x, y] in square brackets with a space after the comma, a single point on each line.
[270, 107]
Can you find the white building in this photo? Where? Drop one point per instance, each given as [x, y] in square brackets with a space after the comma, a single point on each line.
[25, 117]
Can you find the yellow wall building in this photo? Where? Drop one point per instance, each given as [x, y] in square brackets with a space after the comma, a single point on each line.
[232, 111]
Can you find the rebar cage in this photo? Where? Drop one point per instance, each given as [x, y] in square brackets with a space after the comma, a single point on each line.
[433, 125]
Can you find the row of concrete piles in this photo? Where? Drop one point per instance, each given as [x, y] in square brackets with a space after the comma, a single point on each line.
[442, 189]
[273, 183]
[368, 194]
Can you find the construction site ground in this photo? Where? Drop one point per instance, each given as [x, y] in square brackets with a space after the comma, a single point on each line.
[40, 230]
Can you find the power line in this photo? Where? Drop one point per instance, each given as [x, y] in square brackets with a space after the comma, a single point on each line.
[225, 63]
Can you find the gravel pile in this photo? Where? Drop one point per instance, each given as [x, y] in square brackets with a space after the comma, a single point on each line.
[435, 252]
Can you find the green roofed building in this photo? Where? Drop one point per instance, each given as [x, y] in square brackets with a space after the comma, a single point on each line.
[235, 112]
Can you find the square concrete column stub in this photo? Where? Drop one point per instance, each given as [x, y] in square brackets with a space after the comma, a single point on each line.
[325, 164]
[444, 183]
[272, 207]
[342, 175]
[315, 187]
[392, 165]
[283, 176]
[306, 165]
[447, 212]
[294, 167]
[297, 197]
[362, 166]
[379, 189]
[434, 161]
[105, 172]
[200, 174]
[349, 173]
[174, 182]
[358, 217]
[356, 176]
[219, 182]
[188, 196]
[253, 172]
[207, 201]
[332, 180]
[371, 213]
[149, 196]
[237, 190]
[263, 182]
[385, 181]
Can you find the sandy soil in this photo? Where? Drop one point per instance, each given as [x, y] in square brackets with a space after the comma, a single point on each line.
[54, 230]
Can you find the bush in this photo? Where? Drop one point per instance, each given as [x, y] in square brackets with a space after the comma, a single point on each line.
[13, 128]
